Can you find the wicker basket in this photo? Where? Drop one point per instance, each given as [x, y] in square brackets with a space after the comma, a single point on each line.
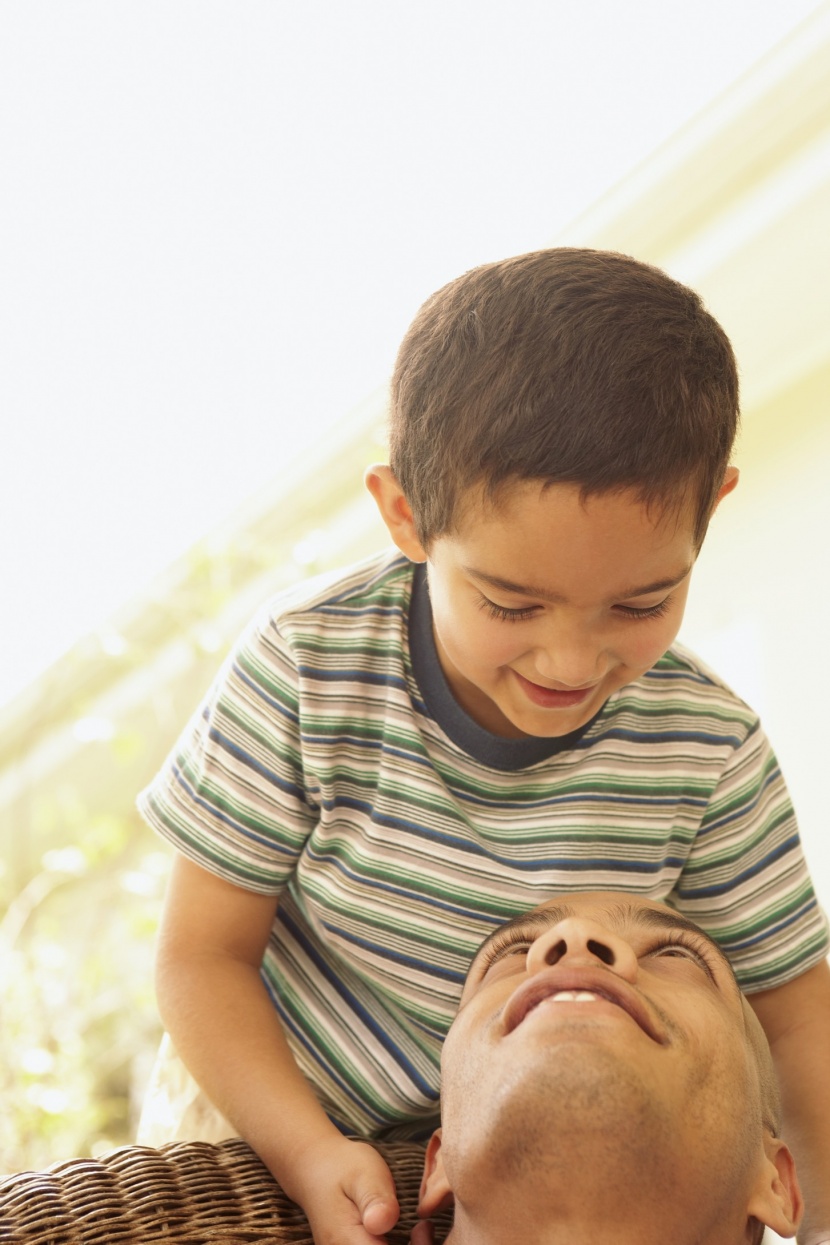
[191, 1193]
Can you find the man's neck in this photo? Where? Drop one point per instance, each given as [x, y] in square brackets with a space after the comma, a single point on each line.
[512, 1228]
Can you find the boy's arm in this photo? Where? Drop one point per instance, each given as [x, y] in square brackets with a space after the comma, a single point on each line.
[796, 1019]
[217, 1011]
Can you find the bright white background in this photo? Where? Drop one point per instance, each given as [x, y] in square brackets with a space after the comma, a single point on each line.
[219, 217]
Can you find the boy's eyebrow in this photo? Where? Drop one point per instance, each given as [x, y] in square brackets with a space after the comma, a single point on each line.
[528, 590]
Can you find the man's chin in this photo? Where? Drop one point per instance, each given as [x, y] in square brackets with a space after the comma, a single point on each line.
[579, 1110]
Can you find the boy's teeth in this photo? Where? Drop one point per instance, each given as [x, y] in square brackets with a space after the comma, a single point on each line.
[574, 996]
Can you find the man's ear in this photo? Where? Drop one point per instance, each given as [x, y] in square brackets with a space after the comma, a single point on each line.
[776, 1200]
[730, 482]
[394, 510]
[436, 1193]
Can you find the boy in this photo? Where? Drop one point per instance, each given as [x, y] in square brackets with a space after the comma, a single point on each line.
[397, 760]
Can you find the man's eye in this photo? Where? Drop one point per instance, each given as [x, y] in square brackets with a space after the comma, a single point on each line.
[505, 947]
[682, 952]
[516, 948]
[679, 948]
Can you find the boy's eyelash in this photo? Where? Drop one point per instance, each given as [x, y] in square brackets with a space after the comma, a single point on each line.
[503, 614]
[652, 611]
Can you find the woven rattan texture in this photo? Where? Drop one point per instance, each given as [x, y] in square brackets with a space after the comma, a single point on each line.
[190, 1193]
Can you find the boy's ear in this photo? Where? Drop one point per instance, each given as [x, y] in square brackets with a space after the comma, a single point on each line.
[394, 510]
[730, 481]
[776, 1199]
[435, 1193]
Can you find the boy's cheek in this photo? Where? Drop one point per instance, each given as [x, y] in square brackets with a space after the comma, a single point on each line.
[652, 647]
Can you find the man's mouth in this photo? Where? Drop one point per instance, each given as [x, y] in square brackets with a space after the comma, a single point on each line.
[586, 986]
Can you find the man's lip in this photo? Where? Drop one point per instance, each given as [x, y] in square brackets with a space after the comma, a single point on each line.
[599, 981]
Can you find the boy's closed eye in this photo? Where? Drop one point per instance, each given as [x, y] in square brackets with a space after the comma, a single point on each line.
[645, 611]
[503, 613]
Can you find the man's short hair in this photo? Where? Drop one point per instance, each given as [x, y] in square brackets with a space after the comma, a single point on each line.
[770, 1093]
[562, 366]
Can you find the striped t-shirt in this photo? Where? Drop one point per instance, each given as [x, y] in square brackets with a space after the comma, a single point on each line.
[332, 766]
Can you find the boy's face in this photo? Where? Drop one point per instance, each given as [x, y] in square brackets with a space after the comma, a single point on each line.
[544, 605]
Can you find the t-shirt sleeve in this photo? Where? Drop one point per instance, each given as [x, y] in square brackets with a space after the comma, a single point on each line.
[231, 795]
[746, 880]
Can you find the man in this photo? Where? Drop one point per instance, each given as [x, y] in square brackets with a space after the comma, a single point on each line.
[605, 1080]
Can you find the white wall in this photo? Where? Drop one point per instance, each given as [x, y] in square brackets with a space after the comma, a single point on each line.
[760, 604]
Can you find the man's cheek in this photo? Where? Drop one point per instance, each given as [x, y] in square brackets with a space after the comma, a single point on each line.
[713, 1070]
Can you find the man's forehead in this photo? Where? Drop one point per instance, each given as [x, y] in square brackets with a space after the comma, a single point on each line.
[618, 913]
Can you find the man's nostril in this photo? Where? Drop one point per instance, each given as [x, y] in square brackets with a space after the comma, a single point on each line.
[600, 950]
[556, 952]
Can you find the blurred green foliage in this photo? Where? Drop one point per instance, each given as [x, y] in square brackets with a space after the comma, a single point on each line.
[79, 1025]
[81, 876]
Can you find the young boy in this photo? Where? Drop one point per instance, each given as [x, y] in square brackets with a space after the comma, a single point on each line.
[398, 759]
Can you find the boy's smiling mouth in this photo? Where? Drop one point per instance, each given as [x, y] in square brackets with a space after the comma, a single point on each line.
[551, 697]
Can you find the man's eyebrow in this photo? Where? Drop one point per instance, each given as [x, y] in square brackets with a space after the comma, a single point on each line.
[542, 594]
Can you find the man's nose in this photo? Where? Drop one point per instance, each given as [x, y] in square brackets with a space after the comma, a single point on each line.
[579, 941]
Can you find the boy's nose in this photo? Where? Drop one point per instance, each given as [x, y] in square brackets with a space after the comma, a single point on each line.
[571, 656]
[578, 940]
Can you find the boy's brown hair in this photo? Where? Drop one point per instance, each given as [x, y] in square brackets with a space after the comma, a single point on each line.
[562, 366]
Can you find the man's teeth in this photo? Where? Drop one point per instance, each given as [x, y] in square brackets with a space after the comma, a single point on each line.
[567, 996]
[573, 996]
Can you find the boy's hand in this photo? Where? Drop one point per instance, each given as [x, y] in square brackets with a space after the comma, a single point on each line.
[348, 1194]
[219, 1015]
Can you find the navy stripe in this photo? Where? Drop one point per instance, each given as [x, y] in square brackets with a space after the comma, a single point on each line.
[384, 952]
[250, 762]
[282, 711]
[791, 844]
[287, 1019]
[777, 928]
[357, 1008]
[215, 812]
